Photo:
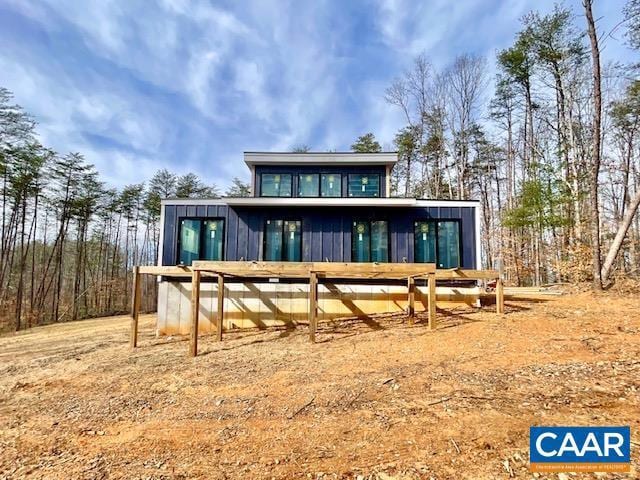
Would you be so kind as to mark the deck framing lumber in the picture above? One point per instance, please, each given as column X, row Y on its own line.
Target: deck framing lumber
column 136, row 299
column 313, row 306
column 195, row 312
column 220, row 318
column 411, row 300
column 314, row 272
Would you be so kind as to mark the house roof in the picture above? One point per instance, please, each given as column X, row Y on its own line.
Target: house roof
column 320, row 158
column 323, row 202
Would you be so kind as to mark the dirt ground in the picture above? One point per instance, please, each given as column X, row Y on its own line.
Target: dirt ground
column 380, row 399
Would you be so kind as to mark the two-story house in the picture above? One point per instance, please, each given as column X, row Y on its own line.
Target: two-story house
column 311, row 207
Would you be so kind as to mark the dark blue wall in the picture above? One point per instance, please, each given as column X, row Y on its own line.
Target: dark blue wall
column 326, row 231
column 294, row 170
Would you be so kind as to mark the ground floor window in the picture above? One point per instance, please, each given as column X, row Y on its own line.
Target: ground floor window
column 437, row 242
column 370, row 241
column 200, row 239
column 283, row 241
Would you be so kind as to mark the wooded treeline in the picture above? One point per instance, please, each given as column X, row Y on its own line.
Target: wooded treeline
column 551, row 147
column 67, row 242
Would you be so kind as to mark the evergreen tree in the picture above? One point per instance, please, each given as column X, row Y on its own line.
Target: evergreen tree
column 366, row 143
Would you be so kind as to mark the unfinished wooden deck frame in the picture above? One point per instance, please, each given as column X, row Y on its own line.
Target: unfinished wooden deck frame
column 311, row 271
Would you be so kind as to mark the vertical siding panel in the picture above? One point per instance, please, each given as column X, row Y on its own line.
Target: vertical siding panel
column 336, row 239
column 307, row 235
column 468, row 238
column 316, row 239
column 169, row 241
column 327, row 237
column 402, row 248
column 253, row 249
column 347, row 226
column 201, row 211
column 243, row 235
column 232, row 236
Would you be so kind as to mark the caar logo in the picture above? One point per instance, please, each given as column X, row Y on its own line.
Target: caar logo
column 580, row 449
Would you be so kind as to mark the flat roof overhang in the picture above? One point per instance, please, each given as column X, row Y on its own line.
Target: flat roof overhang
column 320, row 158
column 321, row 202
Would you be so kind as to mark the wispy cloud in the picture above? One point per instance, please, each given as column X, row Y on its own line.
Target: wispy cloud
column 189, row 85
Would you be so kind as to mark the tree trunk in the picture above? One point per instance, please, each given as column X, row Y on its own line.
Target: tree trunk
column 619, row 238
column 595, row 160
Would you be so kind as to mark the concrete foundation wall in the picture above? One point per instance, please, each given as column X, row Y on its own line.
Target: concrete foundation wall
column 261, row 305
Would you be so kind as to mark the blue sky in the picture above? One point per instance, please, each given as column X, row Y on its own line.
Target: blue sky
column 137, row 86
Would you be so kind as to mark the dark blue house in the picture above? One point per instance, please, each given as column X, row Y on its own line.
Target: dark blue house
column 332, row 207
column 311, row 207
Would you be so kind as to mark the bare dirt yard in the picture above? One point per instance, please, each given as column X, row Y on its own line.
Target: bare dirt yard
column 380, row 399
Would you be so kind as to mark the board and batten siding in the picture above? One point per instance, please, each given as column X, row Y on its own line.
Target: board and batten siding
column 326, row 232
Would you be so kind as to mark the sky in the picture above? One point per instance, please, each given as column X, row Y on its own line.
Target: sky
column 136, row 86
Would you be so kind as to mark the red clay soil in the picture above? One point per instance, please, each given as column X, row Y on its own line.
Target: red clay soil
column 380, row 399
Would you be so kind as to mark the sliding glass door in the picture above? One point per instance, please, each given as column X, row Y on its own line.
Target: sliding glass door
column 200, row 240
column 283, row 241
column 370, row 241
column 437, row 241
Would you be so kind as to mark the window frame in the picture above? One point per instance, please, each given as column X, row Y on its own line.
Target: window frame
column 317, row 195
column 435, row 222
column 370, row 221
column 201, row 239
column 340, row 191
column 352, row 174
column 264, row 237
column 262, row 174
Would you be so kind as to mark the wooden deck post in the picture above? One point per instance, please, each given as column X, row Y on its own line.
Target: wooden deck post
column 411, row 292
column 313, row 305
column 499, row 296
column 220, row 307
column 135, row 306
column 195, row 310
column 431, row 279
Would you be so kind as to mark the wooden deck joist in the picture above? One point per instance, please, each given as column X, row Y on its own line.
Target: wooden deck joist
column 312, row 271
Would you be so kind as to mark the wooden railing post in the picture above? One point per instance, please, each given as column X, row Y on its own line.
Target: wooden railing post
column 135, row 306
column 431, row 279
column 411, row 292
column 313, row 305
column 195, row 311
column 220, row 307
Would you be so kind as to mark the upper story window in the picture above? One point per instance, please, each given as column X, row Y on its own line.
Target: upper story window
column 331, row 185
column 275, row 185
column 308, row 185
column 364, row 185
column 200, row 240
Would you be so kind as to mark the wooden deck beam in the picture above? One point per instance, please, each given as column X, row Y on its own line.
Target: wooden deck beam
column 173, row 270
